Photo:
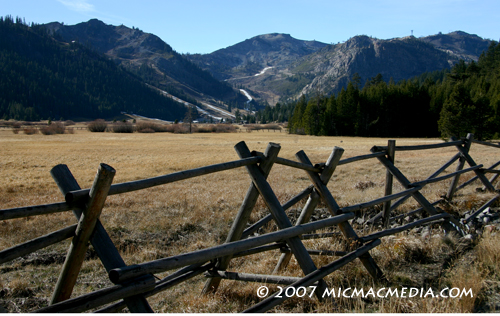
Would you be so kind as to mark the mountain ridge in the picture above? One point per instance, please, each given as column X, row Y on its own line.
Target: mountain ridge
column 329, row 67
column 149, row 57
column 42, row 77
column 270, row 67
column 293, row 66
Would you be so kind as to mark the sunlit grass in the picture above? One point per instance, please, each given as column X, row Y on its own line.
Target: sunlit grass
column 198, row 213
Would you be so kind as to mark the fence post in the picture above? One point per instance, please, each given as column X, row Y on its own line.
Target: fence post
column 391, row 151
column 304, row 217
column 472, row 163
column 86, row 225
column 461, row 163
column 103, row 245
column 242, row 217
column 450, row 224
column 299, row 250
column 313, row 200
column 346, row 228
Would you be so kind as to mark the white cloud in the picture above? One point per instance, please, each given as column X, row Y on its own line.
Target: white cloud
column 78, row 5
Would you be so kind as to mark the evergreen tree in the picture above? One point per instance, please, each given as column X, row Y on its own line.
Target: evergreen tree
column 312, row 120
column 296, row 125
column 237, row 115
column 460, row 115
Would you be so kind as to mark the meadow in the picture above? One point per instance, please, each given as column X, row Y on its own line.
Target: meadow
column 197, row 213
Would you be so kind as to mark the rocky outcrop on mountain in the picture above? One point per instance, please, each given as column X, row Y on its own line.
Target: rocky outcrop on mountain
column 148, row 56
column 400, row 58
column 294, row 67
column 251, row 56
column 460, row 44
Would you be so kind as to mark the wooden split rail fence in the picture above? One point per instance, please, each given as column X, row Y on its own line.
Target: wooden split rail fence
column 133, row 284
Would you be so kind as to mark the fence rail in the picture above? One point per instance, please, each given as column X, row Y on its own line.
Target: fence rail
column 133, row 284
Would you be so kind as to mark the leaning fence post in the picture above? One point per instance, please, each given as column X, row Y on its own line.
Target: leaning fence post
column 312, row 202
column 103, row 245
column 450, row 224
column 242, row 217
column 299, row 250
column 461, row 163
column 391, row 151
column 304, row 217
column 346, row 228
column 86, row 225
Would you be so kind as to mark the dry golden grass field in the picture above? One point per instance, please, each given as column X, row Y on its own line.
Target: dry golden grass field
column 197, row 213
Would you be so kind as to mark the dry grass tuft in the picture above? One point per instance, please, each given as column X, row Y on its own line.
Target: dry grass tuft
column 488, row 253
column 18, row 288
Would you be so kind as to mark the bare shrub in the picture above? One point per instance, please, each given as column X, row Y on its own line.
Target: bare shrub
column 69, row 123
column 150, row 127
column 258, row 127
column 70, row 130
column 170, row 128
column 30, row 130
column 225, row 128
column 122, row 127
column 250, row 127
column 214, row 128
column 271, row 126
column 97, row 126
column 58, row 127
column 206, row 129
column 47, row 130
column 180, row 128
column 54, row 128
column 16, row 127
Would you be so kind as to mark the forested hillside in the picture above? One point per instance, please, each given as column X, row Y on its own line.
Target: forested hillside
column 464, row 99
column 43, row 78
column 149, row 57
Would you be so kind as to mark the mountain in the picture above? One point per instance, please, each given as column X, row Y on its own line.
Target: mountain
column 400, row 58
column 258, row 62
column 460, row 44
column 150, row 58
column 270, row 67
column 41, row 77
column 251, row 56
column 277, row 66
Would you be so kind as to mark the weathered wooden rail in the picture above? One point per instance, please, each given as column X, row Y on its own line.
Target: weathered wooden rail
column 133, row 284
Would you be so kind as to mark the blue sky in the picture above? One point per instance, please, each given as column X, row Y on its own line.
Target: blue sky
column 203, row 26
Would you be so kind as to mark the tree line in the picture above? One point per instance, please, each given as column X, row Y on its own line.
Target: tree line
column 451, row 102
column 41, row 78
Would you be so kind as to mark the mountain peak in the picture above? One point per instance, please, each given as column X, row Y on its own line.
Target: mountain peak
column 464, row 45
column 95, row 22
column 275, row 36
